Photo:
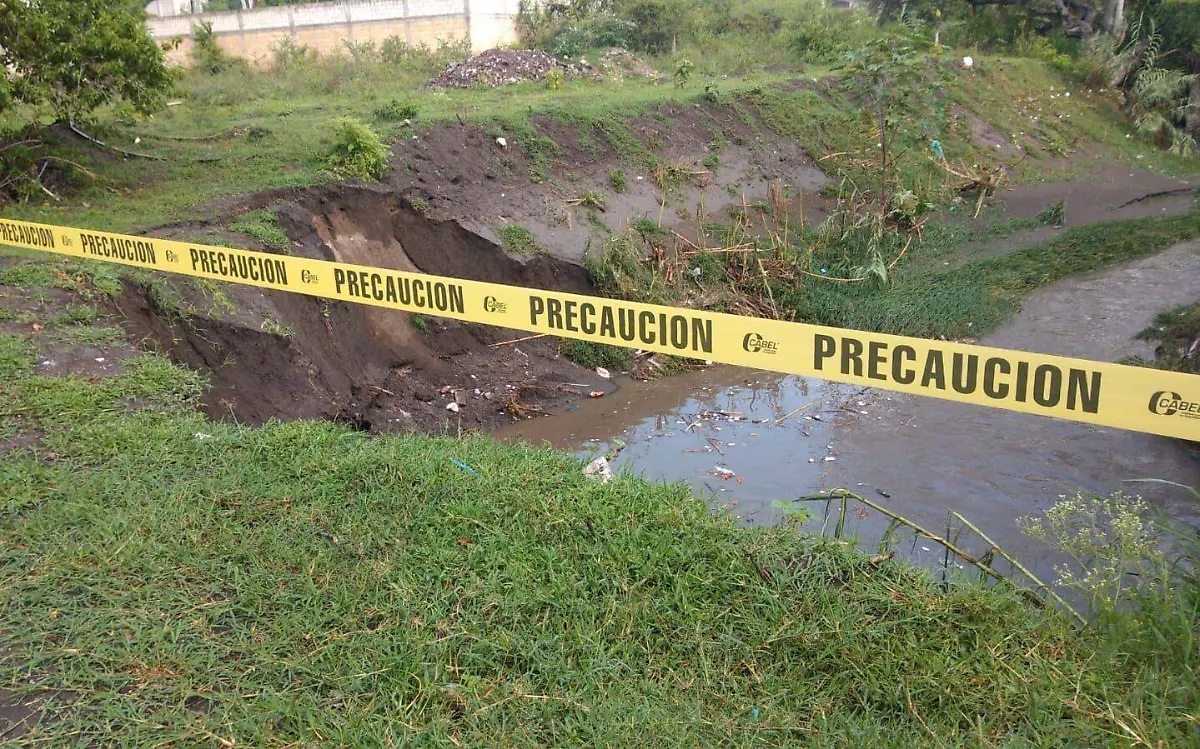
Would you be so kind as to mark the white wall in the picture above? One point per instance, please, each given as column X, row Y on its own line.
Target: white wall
column 323, row 26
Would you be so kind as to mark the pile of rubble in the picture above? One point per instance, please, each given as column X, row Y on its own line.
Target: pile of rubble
column 498, row 67
column 621, row 63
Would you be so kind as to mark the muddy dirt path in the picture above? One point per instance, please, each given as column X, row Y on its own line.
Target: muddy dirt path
column 926, row 456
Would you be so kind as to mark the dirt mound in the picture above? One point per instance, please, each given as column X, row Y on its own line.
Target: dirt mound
column 499, row 67
column 287, row 356
column 621, row 63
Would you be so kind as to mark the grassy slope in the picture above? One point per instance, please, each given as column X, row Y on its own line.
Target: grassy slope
column 277, row 127
column 180, row 580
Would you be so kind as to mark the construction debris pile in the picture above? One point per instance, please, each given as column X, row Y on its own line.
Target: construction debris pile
column 499, row 67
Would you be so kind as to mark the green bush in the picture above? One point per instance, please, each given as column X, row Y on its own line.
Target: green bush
column 395, row 110
column 358, row 151
column 207, row 55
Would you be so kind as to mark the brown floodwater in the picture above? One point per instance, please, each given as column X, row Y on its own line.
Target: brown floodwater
column 786, row 437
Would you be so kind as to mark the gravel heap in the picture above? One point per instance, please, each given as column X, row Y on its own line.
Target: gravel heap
column 498, row 67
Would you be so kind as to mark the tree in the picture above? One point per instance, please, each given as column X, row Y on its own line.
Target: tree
column 1081, row 18
column 76, row 55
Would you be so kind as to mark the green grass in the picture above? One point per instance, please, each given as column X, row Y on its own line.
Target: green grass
column 933, row 292
column 302, row 582
column 262, row 225
column 518, row 240
column 592, row 355
column 974, row 298
column 1175, row 333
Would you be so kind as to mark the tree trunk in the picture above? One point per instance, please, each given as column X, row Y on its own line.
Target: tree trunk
column 1193, row 114
column 1114, row 17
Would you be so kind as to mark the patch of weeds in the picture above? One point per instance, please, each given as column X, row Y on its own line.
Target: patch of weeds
column 357, row 151
column 271, row 326
column 618, row 181
column 590, row 199
column 571, row 177
column 420, row 204
column 16, row 356
column 33, row 275
column 594, row 219
column 76, row 314
column 263, row 225
column 90, row 335
column 215, row 291
column 1054, row 214
column 420, row 324
column 670, row 177
column 1177, row 335
column 591, row 355
column 647, row 228
column 396, row 111
column 518, row 240
column 714, row 152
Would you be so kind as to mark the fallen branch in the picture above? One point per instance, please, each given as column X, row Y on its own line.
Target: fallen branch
column 122, row 151
column 1013, row 561
column 846, row 494
column 793, row 412
column 518, row 340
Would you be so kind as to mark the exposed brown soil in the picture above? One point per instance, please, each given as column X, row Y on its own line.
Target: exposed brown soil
column 279, row 355
column 465, row 174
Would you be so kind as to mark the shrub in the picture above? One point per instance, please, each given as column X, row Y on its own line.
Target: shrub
column 395, row 110
column 358, row 151
column 288, row 54
column 206, row 54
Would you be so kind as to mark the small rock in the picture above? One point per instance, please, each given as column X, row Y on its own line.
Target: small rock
column 452, row 407
column 460, row 397
column 446, row 390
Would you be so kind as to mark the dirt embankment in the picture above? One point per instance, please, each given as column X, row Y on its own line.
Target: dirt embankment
column 440, row 211
column 716, row 159
column 275, row 355
column 279, row 355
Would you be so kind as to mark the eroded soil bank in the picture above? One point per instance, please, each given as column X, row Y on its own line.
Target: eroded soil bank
column 279, row 355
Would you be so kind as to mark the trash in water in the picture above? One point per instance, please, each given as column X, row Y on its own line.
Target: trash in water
column 603, row 373
column 596, row 394
column 572, row 408
column 723, row 473
column 599, row 469
column 924, row 548
column 883, row 494
column 829, row 458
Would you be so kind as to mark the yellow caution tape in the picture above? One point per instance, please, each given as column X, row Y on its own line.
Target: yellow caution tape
column 1113, row 395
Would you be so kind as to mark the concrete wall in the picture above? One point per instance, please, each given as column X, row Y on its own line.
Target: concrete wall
column 325, row 26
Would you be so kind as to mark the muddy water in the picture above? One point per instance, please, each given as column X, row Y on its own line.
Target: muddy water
column 920, row 457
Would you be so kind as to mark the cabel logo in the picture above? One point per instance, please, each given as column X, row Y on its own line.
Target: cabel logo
column 1166, row 403
column 492, row 304
column 756, row 344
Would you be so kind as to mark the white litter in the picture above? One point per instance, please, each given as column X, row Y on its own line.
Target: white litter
column 502, row 142
column 968, row 61
column 599, row 469
column 603, row 373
